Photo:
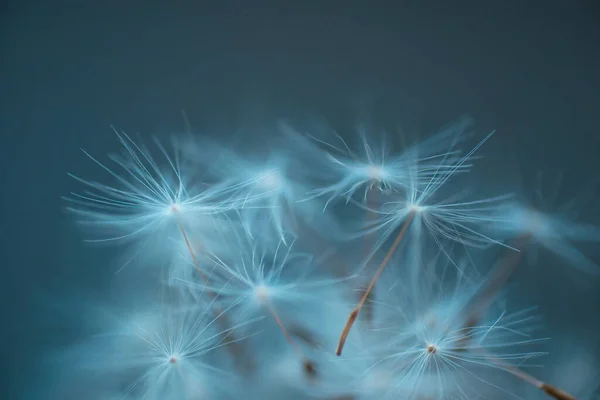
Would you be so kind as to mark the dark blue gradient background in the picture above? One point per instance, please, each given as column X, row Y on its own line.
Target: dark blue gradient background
column 69, row 70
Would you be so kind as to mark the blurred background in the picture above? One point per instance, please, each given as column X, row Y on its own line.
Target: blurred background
column 71, row 69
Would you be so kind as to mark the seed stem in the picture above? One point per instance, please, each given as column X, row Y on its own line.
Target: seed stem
column 222, row 320
column 550, row 390
column 354, row 314
column 308, row 365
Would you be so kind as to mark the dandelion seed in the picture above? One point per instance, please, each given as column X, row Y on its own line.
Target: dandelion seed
column 264, row 277
column 370, row 167
column 433, row 217
column 147, row 204
column 167, row 352
column 550, row 225
column 428, row 349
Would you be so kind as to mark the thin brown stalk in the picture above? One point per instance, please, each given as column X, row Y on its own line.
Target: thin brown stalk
column 369, row 312
column 222, row 320
column 556, row 392
column 550, row 390
column 354, row 314
column 308, row 365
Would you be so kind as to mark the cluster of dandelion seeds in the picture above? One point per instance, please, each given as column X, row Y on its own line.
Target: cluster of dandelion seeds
column 317, row 265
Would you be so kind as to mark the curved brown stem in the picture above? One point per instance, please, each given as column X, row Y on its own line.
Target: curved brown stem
column 556, row 392
column 372, row 199
column 354, row 314
column 191, row 251
column 550, row 390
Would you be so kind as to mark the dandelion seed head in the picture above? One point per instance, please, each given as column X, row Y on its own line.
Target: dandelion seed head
column 536, row 223
column 432, row 348
column 262, row 293
column 271, row 180
column 376, row 172
column 416, row 208
column 174, row 208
